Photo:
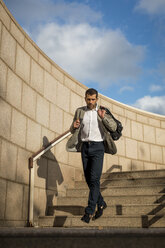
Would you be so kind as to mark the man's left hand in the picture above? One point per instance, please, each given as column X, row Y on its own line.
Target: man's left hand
column 101, row 113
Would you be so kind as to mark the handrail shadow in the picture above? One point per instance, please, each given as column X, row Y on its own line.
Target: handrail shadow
column 49, row 169
column 146, row 222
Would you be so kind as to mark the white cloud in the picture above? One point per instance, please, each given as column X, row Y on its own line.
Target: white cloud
column 30, row 12
column 126, row 88
column 91, row 54
column 155, row 88
column 151, row 6
column 152, row 104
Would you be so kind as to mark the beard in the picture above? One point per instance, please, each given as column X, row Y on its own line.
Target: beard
column 91, row 106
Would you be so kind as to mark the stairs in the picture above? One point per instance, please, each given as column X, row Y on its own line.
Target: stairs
column 134, row 200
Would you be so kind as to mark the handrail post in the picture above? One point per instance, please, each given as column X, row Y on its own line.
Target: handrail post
column 31, row 193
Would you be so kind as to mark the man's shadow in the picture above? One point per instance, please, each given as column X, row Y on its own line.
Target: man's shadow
column 49, row 169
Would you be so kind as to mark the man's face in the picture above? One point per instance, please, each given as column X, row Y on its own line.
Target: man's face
column 91, row 101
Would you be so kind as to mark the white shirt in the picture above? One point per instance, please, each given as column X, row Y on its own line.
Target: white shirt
column 90, row 128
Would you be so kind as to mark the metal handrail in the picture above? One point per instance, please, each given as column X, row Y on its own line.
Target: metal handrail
column 33, row 158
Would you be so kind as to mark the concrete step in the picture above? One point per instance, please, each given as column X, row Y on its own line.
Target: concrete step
column 82, row 237
column 111, row 210
column 115, row 190
column 133, row 174
column 123, row 182
column 104, row 222
column 114, row 200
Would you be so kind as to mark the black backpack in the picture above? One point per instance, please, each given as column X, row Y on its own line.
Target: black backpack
column 118, row 133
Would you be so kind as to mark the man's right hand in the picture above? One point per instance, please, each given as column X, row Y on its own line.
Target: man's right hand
column 76, row 124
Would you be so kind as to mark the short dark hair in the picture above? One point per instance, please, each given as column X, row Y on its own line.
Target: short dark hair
column 91, row 92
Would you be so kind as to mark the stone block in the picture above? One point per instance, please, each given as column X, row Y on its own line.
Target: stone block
column 60, row 152
column 120, row 144
column 22, row 175
column 14, row 90
column 118, row 110
column 160, row 136
column 18, row 128
column 68, row 82
column 56, row 119
column 68, row 177
column 76, row 102
column 126, row 132
column 23, row 64
column 59, row 75
column 16, row 32
column 137, row 131
column 149, row 166
column 160, row 167
column 14, row 201
column 42, row 201
column 0, row 29
column 0, row 148
column 37, row 77
column 130, row 114
column 104, row 165
column 144, row 151
column 29, row 47
column 78, row 174
column 162, row 124
column 83, row 102
column 39, row 202
column 47, row 136
column 81, row 89
column 2, row 198
column 106, row 104
column 41, row 172
column 63, row 97
column 8, row 160
column 29, row 101
column 137, row 165
column 33, row 136
column 154, row 122
column 50, row 88
column 112, row 163
column 3, row 79
column 75, row 159
column 164, row 155
column 8, row 48
column 149, row 134
column 43, row 61
column 42, row 112
column 156, row 154
column 25, row 202
column 4, row 17
column 36, row 203
column 5, row 119
column 125, row 164
column 131, row 148
column 142, row 118
column 68, row 119
column 55, row 176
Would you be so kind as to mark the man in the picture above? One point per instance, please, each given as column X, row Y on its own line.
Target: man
column 91, row 137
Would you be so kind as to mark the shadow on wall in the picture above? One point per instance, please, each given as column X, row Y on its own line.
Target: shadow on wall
column 49, row 169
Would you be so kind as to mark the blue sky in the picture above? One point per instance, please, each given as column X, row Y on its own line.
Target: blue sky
column 117, row 47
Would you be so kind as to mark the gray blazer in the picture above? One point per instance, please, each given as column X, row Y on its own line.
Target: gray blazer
column 107, row 123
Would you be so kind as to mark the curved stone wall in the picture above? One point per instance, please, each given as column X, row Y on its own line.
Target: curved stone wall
column 37, row 103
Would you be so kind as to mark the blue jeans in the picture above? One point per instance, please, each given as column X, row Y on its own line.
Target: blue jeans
column 92, row 154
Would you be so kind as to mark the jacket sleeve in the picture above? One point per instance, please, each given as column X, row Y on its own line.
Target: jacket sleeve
column 109, row 123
